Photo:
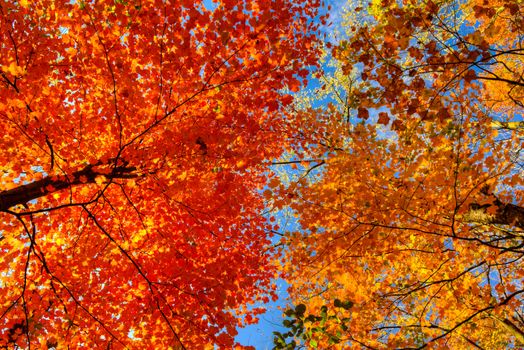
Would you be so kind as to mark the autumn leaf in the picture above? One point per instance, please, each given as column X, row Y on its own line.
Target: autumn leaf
column 383, row 118
column 363, row 113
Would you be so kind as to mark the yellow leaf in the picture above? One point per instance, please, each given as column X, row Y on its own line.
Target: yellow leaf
column 84, row 191
column 100, row 180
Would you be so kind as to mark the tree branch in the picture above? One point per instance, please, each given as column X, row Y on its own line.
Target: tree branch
column 51, row 184
column 497, row 212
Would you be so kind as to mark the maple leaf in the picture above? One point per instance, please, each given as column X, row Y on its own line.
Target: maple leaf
column 363, row 113
column 383, row 118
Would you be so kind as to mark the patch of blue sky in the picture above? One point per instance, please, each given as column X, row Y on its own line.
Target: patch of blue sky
column 260, row 335
column 211, row 5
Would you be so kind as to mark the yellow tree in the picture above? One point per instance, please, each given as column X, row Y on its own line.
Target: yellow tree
column 417, row 212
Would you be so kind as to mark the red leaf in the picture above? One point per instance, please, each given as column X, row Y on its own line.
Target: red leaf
column 363, row 113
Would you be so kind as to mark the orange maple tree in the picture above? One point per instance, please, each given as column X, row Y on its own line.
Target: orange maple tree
column 134, row 138
column 411, row 204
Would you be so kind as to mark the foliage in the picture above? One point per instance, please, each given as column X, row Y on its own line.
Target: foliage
column 310, row 328
column 135, row 135
column 416, row 209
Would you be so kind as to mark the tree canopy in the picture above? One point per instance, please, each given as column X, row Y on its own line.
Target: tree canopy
column 134, row 140
column 417, row 213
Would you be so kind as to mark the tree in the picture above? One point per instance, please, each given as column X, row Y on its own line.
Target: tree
column 415, row 210
column 134, row 140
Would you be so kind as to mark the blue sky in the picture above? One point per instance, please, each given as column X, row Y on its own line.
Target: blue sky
column 261, row 335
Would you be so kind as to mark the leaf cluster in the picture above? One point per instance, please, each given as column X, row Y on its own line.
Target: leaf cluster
column 312, row 329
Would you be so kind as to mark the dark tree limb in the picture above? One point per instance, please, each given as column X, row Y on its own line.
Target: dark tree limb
column 497, row 213
column 51, row 184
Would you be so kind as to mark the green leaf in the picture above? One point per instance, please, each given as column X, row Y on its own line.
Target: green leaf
column 300, row 309
column 343, row 304
column 311, row 318
column 334, row 340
